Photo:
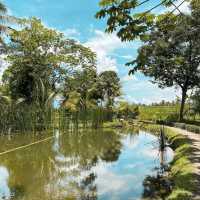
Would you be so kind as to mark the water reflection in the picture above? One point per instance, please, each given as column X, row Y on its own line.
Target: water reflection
column 86, row 165
column 4, row 189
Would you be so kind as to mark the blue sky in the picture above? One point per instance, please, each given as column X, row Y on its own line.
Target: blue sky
column 76, row 19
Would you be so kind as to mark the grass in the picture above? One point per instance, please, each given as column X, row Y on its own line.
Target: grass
column 181, row 170
column 30, row 118
column 154, row 113
column 113, row 124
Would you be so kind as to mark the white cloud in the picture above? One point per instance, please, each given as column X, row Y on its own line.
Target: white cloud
column 115, row 183
column 104, row 45
column 128, row 78
column 4, row 189
column 130, row 98
column 143, row 91
column 71, row 32
column 184, row 7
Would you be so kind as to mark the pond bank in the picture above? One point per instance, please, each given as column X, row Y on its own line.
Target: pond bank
column 194, row 156
column 185, row 168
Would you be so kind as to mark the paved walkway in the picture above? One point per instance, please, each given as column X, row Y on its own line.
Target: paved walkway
column 195, row 156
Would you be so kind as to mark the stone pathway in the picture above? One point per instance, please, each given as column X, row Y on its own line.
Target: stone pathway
column 195, row 156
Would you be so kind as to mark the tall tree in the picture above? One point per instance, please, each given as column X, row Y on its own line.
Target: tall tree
column 4, row 20
column 171, row 54
column 79, row 88
column 196, row 102
column 40, row 59
column 109, row 84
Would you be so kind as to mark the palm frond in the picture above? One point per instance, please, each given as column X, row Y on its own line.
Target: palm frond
column 50, row 99
column 3, row 8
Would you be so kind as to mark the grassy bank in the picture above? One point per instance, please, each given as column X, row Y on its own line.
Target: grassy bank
column 181, row 171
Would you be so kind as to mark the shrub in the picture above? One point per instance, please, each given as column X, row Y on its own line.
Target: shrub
column 188, row 127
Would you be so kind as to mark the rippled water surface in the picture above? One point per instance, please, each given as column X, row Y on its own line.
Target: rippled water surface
column 103, row 165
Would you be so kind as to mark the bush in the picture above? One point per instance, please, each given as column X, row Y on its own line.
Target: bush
column 188, row 127
column 193, row 128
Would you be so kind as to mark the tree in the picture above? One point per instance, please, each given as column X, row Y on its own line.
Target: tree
column 4, row 19
column 81, row 87
column 171, row 55
column 124, row 109
column 40, row 60
column 196, row 102
column 109, row 84
column 122, row 18
column 91, row 88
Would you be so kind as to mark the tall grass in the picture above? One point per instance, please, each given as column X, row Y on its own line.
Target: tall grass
column 23, row 118
column 31, row 118
column 90, row 118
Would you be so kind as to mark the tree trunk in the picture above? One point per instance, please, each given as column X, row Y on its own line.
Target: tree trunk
column 183, row 99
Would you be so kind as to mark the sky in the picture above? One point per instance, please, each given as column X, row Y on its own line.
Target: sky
column 75, row 18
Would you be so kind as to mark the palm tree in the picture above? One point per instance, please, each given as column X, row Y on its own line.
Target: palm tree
column 4, row 20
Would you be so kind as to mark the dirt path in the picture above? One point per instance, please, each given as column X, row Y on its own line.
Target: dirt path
column 195, row 156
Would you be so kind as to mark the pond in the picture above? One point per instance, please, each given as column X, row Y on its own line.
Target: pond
column 85, row 165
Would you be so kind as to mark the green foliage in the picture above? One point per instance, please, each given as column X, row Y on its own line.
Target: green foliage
column 43, row 65
column 85, row 89
column 188, row 127
column 126, row 110
column 109, row 85
column 196, row 102
column 121, row 17
column 79, row 89
column 5, row 19
column 170, row 56
column 170, row 53
column 40, row 59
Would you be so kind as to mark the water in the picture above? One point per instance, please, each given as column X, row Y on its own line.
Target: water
column 86, row 165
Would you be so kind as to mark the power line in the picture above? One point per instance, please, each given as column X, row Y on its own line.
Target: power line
column 156, row 6
column 176, row 8
column 142, row 3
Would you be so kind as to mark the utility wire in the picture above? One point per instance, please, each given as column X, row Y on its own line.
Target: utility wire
column 176, row 8
column 142, row 3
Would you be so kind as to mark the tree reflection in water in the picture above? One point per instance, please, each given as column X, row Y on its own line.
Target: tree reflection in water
column 81, row 165
column 158, row 186
column 62, row 168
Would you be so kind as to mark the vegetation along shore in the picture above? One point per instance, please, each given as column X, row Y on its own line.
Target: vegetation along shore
column 100, row 100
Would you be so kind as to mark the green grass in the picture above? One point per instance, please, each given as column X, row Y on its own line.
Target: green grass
column 155, row 113
column 181, row 170
column 113, row 124
column 167, row 113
